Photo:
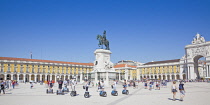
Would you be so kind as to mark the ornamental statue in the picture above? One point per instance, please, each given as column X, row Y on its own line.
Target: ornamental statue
column 103, row 41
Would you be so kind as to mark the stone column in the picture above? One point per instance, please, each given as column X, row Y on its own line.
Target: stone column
column 170, row 77
column 87, row 74
column 80, row 77
column 138, row 74
column 131, row 75
column 119, row 76
column 41, row 77
column 5, row 76
column 35, row 77
column 69, row 77
column 24, row 77
column 126, row 74
column 76, row 77
column 12, row 77
column 207, row 71
column 18, row 77
column 45, row 77
column 50, row 77
column 175, row 77
column 107, row 79
column 96, row 77
column 29, row 77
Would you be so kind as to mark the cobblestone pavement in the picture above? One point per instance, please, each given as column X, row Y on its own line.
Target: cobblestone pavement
column 196, row 94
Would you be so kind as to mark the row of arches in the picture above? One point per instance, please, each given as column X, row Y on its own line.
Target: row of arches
column 164, row 77
column 36, row 78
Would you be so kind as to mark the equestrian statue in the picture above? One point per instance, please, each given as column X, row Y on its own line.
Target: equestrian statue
column 103, row 41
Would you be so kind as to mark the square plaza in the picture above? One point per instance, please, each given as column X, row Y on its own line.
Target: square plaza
column 196, row 94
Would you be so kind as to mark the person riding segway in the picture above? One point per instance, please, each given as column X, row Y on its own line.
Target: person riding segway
column 65, row 89
column 50, row 90
column 86, row 95
column 114, row 92
column 102, row 92
column 59, row 91
column 73, row 84
column 125, row 91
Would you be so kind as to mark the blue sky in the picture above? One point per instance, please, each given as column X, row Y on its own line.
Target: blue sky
column 66, row 30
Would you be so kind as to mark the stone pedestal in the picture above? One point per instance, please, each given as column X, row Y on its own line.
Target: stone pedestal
column 103, row 67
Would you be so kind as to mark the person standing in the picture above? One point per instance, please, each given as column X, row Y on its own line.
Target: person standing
column 174, row 90
column 99, row 85
column 2, row 87
column 31, row 84
column 60, row 83
column 182, row 91
column 13, row 84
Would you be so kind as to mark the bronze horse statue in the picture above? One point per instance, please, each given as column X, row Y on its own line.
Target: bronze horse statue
column 103, row 41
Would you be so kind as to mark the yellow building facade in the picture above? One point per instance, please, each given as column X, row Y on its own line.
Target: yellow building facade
column 161, row 70
column 21, row 69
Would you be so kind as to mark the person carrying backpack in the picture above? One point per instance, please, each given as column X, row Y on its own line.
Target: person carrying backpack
column 182, row 91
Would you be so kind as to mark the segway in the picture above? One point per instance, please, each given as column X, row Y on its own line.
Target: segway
column 65, row 89
column 73, row 93
column 103, row 93
column 114, row 93
column 125, row 92
column 60, row 92
column 49, row 91
column 86, row 95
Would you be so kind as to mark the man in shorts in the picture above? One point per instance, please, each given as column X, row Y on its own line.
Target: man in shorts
column 182, row 91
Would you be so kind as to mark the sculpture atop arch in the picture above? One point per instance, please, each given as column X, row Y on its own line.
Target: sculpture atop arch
column 198, row 39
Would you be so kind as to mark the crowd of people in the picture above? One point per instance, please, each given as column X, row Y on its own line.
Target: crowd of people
column 7, row 84
column 147, row 84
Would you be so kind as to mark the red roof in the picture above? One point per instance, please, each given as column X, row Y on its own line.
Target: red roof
column 123, row 65
column 159, row 62
column 47, row 61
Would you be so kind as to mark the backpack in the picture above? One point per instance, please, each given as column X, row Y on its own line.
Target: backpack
column 181, row 87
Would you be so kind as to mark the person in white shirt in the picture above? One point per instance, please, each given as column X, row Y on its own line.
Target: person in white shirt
column 114, row 85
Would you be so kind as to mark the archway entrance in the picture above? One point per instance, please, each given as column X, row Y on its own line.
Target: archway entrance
column 27, row 78
column 15, row 76
column 164, row 77
column 2, row 77
column 21, row 77
column 38, row 78
column 8, row 77
column 195, row 66
column 53, row 77
column 32, row 78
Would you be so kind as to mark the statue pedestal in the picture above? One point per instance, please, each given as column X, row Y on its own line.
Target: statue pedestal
column 107, row 77
column 103, row 67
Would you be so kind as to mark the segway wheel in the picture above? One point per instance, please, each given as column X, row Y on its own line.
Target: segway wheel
column 116, row 94
column 47, row 91
column 105, row 95
column 71, row 94
column 86, row 95
column 127, row 92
